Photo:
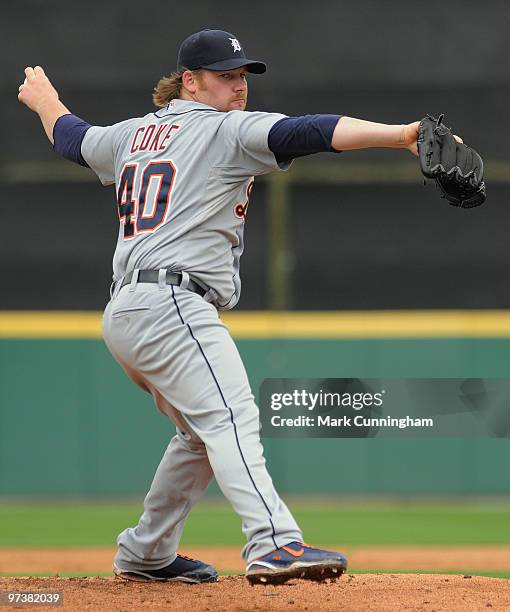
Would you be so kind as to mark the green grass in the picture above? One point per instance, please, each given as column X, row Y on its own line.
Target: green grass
column 213, row 524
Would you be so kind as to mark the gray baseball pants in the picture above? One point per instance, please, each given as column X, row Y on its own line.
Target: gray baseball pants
column 172, row 343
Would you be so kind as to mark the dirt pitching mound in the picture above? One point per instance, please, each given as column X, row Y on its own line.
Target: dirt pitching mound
column 377, row 592
column 227, row 559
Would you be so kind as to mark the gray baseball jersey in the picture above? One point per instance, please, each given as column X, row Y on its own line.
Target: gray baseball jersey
column 183, row 176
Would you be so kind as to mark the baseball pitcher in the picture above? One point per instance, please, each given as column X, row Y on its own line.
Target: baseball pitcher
column 183, row 177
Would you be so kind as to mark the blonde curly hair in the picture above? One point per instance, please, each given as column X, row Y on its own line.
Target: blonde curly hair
column 169, row 87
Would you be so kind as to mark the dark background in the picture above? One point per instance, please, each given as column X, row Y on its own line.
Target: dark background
column 351, row 246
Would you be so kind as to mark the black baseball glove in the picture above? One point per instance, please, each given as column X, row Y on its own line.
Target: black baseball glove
column 456, row 168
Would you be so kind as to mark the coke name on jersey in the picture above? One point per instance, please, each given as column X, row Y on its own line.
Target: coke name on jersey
column 152, row 137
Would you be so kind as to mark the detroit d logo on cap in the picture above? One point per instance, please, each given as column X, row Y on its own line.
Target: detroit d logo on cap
column 235, row 44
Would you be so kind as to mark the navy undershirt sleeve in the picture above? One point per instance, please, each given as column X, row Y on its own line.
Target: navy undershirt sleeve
column 297, row 136
column 68, row 133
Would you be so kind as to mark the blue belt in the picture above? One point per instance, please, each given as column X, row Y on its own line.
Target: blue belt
column 172, row 278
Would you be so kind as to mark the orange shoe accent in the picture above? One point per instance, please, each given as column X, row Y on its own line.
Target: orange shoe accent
column 294, row 553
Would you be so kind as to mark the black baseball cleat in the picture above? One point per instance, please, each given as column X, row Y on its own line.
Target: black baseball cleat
column 296, row 560
column 183, row 569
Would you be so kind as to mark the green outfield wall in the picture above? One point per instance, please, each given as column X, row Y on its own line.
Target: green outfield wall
column 71, row 423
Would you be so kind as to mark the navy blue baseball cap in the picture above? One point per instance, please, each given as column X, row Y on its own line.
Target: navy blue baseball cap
column 215, row 50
